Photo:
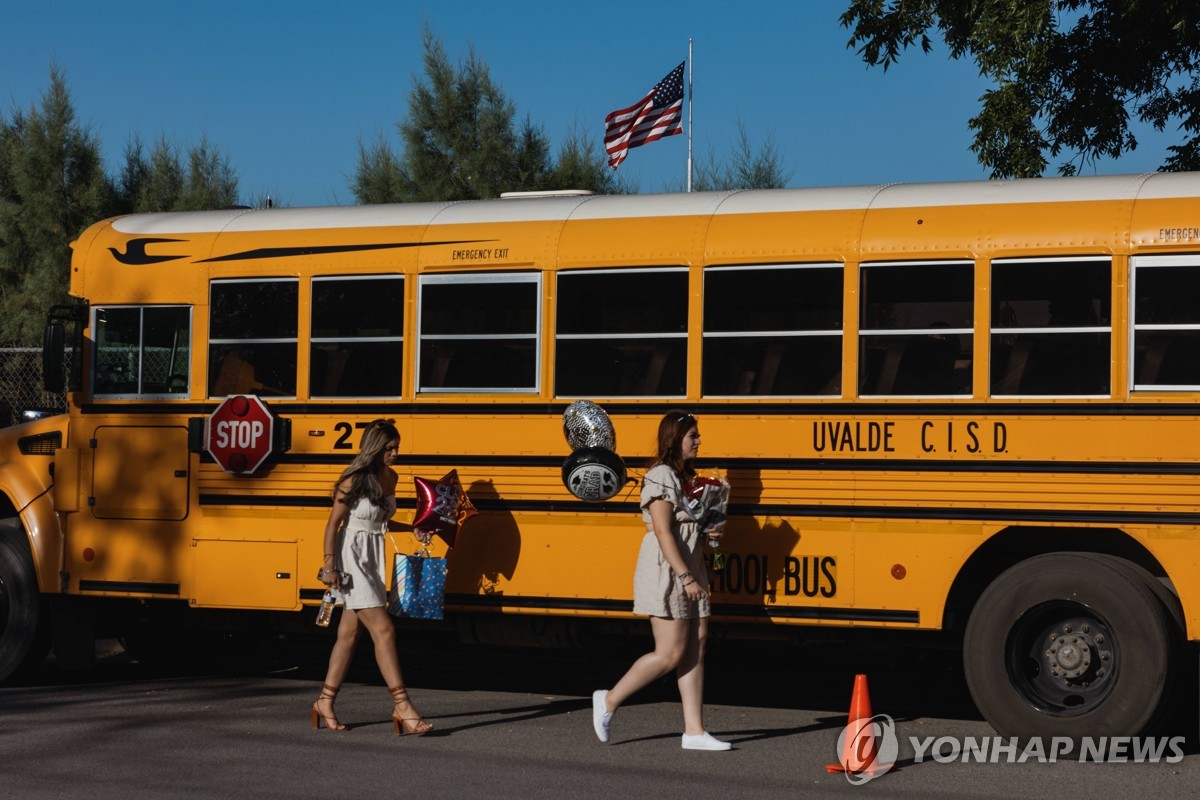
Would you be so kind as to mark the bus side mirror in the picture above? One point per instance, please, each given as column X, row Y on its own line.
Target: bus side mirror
column 53, row 348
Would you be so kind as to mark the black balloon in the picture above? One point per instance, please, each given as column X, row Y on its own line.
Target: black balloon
column 593, row 473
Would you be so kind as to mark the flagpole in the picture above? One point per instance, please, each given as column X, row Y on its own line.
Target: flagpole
column 689, row 163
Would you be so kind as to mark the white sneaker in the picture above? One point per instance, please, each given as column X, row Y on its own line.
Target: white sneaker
column 704, row 741
column 601, row 718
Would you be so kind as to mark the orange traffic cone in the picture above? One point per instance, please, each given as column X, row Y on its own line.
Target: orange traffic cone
column 859, row 749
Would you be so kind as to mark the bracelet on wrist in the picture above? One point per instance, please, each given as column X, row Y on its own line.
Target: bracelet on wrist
column 683, row 575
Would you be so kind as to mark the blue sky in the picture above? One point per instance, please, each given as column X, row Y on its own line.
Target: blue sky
column 287, row 89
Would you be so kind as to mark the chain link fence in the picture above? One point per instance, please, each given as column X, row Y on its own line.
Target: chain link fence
column 21, row 383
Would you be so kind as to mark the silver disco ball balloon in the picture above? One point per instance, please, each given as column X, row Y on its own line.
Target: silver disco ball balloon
column 586, row 425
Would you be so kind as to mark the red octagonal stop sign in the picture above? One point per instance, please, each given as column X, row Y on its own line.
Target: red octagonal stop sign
column 239, row 433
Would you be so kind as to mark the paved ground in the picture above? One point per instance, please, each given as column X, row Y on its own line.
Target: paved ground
column 509, row 724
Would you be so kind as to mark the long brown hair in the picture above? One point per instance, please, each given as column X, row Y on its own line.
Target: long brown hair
column 671, row 430
column 363, row 471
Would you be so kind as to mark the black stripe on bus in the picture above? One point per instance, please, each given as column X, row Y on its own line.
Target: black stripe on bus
column 517, row 601
column 790, row 464
column 368, row 410
column 816, row 613
column 742, row 610
column 344, row 458
column 309, row 501
column 718, row 609
column 138, row 587
column 320, row 250
column 765, row 510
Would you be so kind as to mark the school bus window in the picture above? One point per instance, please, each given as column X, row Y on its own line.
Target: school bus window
column 357, row 343
column 772, row 330
column 252, row 337
column 916, row 328
column 478, row 333
column 142, row 351
column 1166, row 322
column 1051, row 327
column 621, row 333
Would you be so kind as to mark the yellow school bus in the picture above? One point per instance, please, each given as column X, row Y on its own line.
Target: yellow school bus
column 960, row 407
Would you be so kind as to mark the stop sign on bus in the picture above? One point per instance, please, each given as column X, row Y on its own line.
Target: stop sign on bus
column 239, row 434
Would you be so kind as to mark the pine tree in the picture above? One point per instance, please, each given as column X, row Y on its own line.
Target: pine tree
column 761, row 170
column 582, row 165
column 162, row 182
column 745, row 169
column 52, row 186
column 378, row 178
column 461, row 141
column 210, row 183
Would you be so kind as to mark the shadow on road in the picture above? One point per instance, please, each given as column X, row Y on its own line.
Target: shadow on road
column 909, row 676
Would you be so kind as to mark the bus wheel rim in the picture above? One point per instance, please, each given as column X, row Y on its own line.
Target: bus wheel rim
column 1063, row 658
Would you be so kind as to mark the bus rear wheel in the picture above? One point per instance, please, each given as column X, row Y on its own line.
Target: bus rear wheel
column 1070, row 644
column 24, row 639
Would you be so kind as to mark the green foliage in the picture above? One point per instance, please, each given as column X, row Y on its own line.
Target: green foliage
column 378, row 178
column 1068, row 74
column 744, row 169
column 582, row 165
column 211, row 182
column 461, row 141
column 52, row 186
column 162, row 182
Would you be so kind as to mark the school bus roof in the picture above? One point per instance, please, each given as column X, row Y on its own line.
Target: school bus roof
column 531, row 209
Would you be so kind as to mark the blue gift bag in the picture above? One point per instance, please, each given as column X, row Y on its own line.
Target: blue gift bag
column 418, row 587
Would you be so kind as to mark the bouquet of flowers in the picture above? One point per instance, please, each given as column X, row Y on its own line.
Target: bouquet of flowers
column 705, row 498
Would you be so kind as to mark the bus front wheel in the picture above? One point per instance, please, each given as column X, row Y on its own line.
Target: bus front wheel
column 23, row 621
column 1069, row 644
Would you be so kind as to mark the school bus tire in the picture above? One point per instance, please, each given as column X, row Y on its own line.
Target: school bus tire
column 24, row 621
column 1178, row 663
column 1070, row 644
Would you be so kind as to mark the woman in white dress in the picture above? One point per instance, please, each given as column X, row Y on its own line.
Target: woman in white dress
column 670, row 585
column 364, row 499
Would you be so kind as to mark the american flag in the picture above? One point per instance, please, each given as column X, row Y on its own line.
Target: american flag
column 658, row 114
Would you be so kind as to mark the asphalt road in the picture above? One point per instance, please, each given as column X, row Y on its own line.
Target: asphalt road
column 511, row 723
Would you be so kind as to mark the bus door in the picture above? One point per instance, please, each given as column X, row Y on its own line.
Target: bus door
column 139, row 472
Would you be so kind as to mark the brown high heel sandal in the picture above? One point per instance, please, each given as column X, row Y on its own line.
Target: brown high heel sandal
column 410, row 725
column 331, row 722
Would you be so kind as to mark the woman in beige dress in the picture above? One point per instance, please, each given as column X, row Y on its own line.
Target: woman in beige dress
column 364, row 499
column 670, row 585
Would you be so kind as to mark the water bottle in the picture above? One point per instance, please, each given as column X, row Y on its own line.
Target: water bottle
column 325, row 612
